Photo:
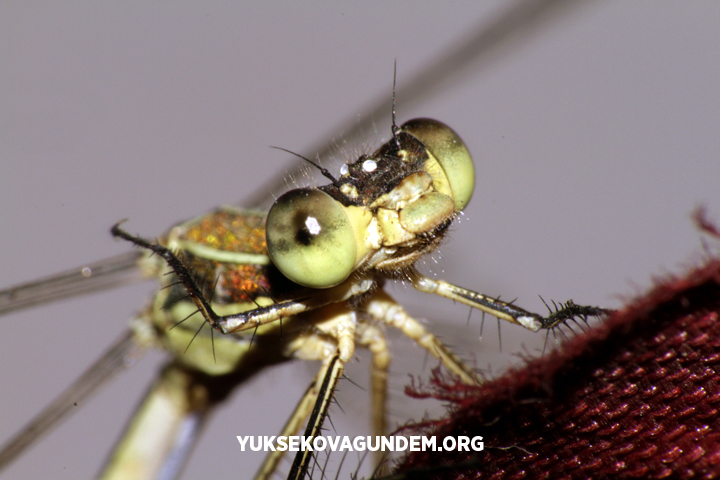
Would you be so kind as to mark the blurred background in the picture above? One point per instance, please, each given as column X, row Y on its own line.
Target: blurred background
column 594, row 129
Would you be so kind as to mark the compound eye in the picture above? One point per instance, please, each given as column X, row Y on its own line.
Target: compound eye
column 451, row 153
column 310, row 238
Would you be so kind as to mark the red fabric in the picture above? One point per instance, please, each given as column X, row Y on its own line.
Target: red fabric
column 636, row 397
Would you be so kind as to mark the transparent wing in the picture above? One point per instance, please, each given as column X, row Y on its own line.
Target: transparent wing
column 461, row 61
column 93, row 277
column 122, row 354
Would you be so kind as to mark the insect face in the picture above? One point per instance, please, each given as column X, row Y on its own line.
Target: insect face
column 385, row 211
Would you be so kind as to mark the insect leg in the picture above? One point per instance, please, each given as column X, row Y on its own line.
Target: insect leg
column 310, row 347
column 340, row 325
column 373, row 338
column 292, row 427
column 384, row 309
column 248, row 319
column 329, row 375
column 332, row 342
column 503, row 310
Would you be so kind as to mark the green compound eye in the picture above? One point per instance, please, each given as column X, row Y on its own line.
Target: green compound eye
column 310, row 238
column 451, row 154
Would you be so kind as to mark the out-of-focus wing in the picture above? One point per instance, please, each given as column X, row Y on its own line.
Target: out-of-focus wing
column 93, row 277
column 472, row 52
column 121, row 354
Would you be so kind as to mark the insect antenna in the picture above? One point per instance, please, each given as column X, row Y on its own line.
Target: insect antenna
column 326, row 173
column 706, row 249
column 395, row 128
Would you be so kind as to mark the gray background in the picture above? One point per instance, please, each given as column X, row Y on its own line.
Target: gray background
column 594, row 138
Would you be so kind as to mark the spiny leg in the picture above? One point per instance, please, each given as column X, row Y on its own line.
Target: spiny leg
column 248, row 319
column 185, row 277
column 383, row 308
column 330, row 374
column 504, row 310
column 332, row 342
column 293, row 425
column 342, row 327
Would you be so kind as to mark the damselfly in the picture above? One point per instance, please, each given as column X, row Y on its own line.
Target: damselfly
column 513, row 181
